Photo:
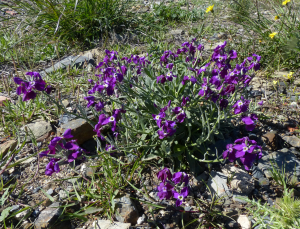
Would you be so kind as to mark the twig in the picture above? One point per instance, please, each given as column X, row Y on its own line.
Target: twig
column 5, row 166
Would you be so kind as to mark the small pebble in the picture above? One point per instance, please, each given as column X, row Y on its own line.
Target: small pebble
column 50, row 191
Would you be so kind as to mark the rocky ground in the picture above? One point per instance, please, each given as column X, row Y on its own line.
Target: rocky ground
column 219, row 188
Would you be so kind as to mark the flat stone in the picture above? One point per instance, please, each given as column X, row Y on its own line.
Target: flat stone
column 81, row 130
column 7, row 146
column 280, row 75
column 240, row 181
column 106, row 224
column 244, row 222
column 292, row 140
column 283, row 158
column 271, row 139
column 176, row 32
column 264, row 181
column 49, row 216
column 126, row 210
column 256, row 172
column 40, row 130
column 73, row 61
column 217, row 184
column 3, row 99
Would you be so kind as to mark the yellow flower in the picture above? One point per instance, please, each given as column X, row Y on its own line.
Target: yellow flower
column 210, row 8
column 272, row 35
column 276, row 17
column 285, row 2
column 290, row 75
column 275, row 82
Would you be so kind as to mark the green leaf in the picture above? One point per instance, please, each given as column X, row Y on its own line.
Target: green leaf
column 5, row 213
column 91, row 210
column 178, row 150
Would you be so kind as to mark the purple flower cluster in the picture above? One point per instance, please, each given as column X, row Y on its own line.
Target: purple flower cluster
column 58, row 144
column 176, row 185
column 245, row 149
column 108, row 120
column 168, row 127
column 112, row 72
column 27, row 88
column 223, row 81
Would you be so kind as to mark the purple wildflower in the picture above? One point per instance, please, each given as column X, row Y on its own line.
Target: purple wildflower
column 165, row 191
column 164, row 174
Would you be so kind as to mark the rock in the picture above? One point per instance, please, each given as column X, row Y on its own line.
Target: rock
column 49, row 216
column 65, row 118
column 141, row 219
column 106, row 224
column 264, row 181
column 7, row 146
column 292, row 140
column 202, row 177
column 256, row 172
column 283, row 158
column 81, row 130
column 63, row 194
column 244, row 222
column 73, row 61
column 41, row 130
column 50, row 191
column 217, row 184
column 240, row 199
column 14, row 208
column 126, row 210
column 176, row 32
column 91, row 53
column 280, row 75
column 66, row 102
column 209, row 47
column 23, row 214
column 271, row 139
column 3, row 99
column 240, row 181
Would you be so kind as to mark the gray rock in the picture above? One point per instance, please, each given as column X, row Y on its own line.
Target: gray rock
column 244, row 222
column 50, row 191
column 292, row 140
column 264, row 181
column 141, row 219
column 217, row 184
column 107, row 224
column 283, row 158
column 81, row 130
column 7, row 146
column 14, row 208
column 176, row 32
column 40, row 130
column 63, row 194
column 49, row 216
column 256, row 172
column 126, row 211
column 239, row 199
column 23, row 214
column 240, row 181
column 73, row 61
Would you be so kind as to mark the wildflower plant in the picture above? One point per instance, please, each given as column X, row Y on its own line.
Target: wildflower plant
column 175, row 185
column 170, row 105
column 62, row 151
